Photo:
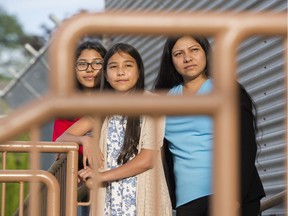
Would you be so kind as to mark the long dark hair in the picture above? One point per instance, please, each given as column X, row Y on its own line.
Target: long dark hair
column 133, row 127
column 90, row 44
column 168, row 76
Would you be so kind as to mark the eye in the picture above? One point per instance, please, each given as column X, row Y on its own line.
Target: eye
column 112, row 67
column 194, row 49
column 97, row 63
column 177, row 54
column 81, row 63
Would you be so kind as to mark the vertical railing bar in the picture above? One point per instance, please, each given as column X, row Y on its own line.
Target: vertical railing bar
column 3, row 195
column 96, row 154
column 225, row 162
column 71, row 183
column 34, row 165
column 64, row 180
column 21, row 198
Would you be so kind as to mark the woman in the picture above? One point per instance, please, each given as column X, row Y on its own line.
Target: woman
column 185, row 69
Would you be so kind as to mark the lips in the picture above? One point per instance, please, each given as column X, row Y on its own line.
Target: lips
column 190, row 66
column 89, row 77
column 121, row 80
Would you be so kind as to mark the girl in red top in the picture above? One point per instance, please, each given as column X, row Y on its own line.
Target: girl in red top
column 88, row 68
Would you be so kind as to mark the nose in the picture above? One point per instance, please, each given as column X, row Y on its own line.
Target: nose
column 187, row 58
column 120, row 71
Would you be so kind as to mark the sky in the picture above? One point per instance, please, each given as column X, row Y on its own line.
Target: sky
column 33, row 13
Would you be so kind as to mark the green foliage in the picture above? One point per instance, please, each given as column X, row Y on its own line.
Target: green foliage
column 15, row 161
column 4, row 78
column 11, row 31
column 12, row 41
column 12, row 34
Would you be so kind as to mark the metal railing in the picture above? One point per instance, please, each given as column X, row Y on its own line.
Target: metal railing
column 273, row 201
column 49, row 205
column 58, row 169
column 228, row 31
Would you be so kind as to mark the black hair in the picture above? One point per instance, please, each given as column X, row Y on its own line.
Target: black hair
column 130, row 50
column 133, row 127
column 168, row 76
column 90, row 44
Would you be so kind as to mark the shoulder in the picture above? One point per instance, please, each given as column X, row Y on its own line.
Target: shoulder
column 176, row 89
column 146, row 92
column 68, row 122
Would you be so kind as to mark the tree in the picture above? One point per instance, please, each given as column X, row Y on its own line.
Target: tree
column 10, row 30
column 12, row 41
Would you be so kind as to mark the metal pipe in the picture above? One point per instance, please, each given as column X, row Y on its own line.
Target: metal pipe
column 41, row 176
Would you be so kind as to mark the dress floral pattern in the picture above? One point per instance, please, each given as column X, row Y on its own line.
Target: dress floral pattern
column 120, row 194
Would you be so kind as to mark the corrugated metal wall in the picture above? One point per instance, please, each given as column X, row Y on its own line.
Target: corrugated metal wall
column 260, row 70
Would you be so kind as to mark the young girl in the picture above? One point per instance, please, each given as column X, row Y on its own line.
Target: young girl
column 88, row 68
column 132, row 157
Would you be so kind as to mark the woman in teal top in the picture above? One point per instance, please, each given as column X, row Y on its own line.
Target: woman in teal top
column 190, row 142
column 185, row 69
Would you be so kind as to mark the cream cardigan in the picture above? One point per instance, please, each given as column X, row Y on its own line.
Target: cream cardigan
column 152, row 192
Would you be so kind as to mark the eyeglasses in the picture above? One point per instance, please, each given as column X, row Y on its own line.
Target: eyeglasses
column 82, row 66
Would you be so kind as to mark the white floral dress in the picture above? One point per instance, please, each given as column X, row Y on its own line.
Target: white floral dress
column 120, row 194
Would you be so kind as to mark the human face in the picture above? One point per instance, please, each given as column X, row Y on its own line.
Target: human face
column 189, row 59
column 90, row 77
column 122, row 72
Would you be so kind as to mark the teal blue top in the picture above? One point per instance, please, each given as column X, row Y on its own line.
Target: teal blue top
column 190, row 140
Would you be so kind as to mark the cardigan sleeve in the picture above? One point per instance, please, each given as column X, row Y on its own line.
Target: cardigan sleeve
column 149, row 128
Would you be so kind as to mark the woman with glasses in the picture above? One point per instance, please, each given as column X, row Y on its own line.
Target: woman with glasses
column 88, row 68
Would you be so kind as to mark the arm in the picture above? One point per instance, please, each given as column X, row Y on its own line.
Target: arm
column 142, row 162
column 60, row 125
column 145, row 160
column 76, row 133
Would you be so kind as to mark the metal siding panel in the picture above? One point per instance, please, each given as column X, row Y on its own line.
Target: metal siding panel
column 260, row 70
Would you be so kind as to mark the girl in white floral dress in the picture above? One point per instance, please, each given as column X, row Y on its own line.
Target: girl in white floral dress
column 132, row 157
column 120, row 194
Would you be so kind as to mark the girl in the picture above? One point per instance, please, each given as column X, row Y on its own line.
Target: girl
column 88, row 68
column 185, row 68
column 132, row 158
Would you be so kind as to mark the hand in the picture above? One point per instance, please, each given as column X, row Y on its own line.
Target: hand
column 85, row 174
column 87, row 143
column 100, row 158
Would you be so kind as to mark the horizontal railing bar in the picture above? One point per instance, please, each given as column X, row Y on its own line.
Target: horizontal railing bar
column 105, row 103
column 51, row 106
column 33, row 176
column 160, row 23
column 27, row 146
column 273, row 201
